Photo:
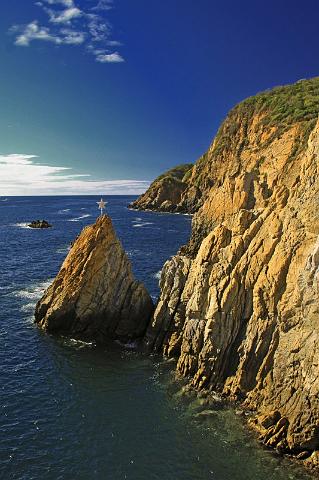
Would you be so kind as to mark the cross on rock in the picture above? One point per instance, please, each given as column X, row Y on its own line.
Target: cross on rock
column 101, row 205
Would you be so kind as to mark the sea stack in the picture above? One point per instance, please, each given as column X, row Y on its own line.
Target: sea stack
column 95, row 295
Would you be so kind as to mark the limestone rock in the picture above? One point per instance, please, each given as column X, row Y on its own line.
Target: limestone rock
column 239, row 304
column 95, row 294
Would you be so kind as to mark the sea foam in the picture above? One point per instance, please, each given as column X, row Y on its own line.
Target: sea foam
column 78, row 219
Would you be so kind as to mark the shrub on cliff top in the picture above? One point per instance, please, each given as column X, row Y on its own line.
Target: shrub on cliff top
column 280, row 107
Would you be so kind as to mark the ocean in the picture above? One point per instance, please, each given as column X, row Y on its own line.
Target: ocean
column 76, row 411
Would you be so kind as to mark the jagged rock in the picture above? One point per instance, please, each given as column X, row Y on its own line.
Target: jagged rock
column 239, row 305
column 95, row 294
column 39, row 224
column 313, row 460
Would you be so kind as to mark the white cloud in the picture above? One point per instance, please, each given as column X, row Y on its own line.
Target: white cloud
column 109, row 58
column 33, row 31
column 99, row 29
column 68, row 24
column 23, row 175
column 103, row 5
column 66, row 3
column 65, row 16
column 71, row 37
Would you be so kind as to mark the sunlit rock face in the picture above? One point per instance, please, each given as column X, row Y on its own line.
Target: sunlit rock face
column 166, row 191
column 95, row 294
column 239, row 304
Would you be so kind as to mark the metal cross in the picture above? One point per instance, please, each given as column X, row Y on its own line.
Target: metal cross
column 101, row 205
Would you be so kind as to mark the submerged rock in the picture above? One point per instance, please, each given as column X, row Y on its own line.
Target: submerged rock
column 95, row 294
column 39, row 224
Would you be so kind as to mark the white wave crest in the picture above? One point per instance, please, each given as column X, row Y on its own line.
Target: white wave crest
column 22, row 225
column 65, row 210
column 157, row 274
column 143, row 224
column 33, row 291
column 32, row 294
column 63, row 250
column 78, row 219
column 72, row 342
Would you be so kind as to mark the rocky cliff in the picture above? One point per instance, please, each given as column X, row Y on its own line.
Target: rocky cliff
column 239, row 304
column 95, row 295
column 165, row 193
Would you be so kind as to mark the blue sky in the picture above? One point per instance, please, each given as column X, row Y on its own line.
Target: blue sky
column 102, row 96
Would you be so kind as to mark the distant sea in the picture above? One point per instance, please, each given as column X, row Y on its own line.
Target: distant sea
column 75, row 411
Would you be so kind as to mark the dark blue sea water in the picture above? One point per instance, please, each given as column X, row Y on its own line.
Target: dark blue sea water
column 75, row 411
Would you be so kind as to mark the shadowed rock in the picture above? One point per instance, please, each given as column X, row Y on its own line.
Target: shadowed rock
column 95, row 294
column 39, row 224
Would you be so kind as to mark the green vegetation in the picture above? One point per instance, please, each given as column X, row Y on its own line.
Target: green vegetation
column 177, row 173
column 285, row 105
column 280, row 107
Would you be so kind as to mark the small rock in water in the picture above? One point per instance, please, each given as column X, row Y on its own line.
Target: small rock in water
column 39, row 224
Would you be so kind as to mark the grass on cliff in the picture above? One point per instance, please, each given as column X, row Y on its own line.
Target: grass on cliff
column 280, row 107
column 287, row 105
column 179, row 172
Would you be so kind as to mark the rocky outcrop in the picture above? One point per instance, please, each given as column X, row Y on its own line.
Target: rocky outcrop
column 239, row 304
column 166, row 192
column 95, row 295
column 39, row 224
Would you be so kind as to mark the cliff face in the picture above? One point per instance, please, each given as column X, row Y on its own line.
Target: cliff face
column 239, row 304
column 166, row 191
column 95, row 295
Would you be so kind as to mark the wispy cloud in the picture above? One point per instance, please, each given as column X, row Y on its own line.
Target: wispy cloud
column 109, row 58
column 66, row 16
column 103, row 5
column 68, row 24
column 24, row 175
column 33, row 31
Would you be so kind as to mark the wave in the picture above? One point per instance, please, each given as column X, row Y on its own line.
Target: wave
column 3, row 199
column 131, row 253
column 65, row 210
column 72, row 342
column 143, row 224
column 63, row 249
column 22, row 225
column 157, row 274
column 78, row 219
column 28, row 307
column 32, row 294
column 35, row 290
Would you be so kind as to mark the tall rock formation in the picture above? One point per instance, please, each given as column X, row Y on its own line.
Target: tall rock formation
column 95, row 295
column 239, row 304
